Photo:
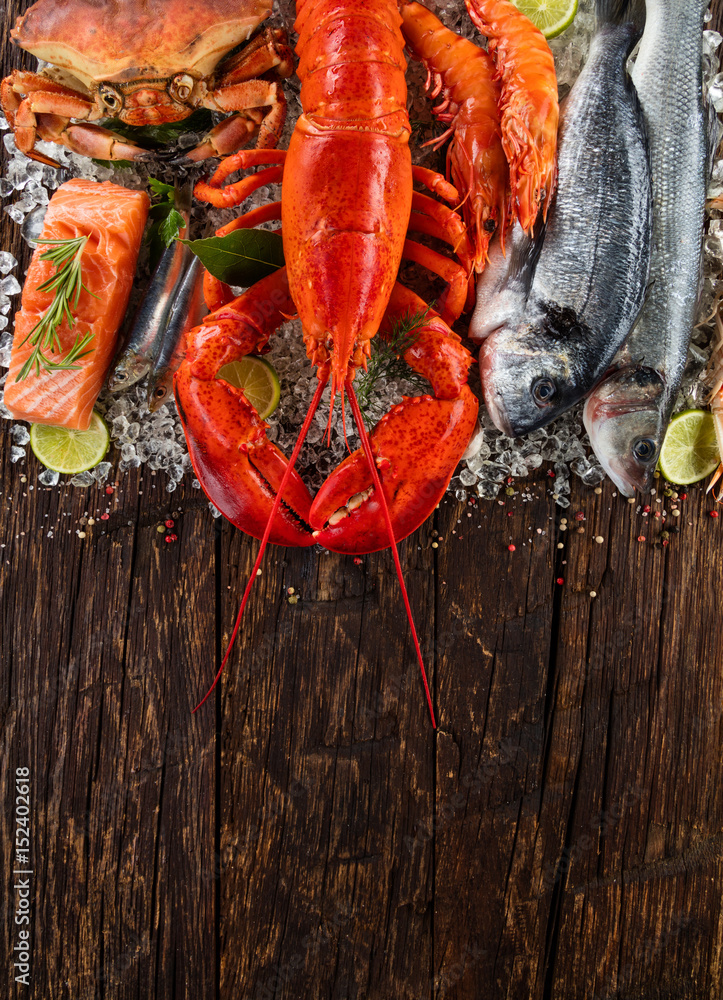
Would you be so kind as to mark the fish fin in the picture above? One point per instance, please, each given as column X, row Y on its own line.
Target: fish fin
column 525, row 255
column 620, row 12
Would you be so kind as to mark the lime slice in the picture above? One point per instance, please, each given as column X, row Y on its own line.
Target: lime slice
column 259, row 382
column 64, row 450
column 690, row 449
column 550, row 16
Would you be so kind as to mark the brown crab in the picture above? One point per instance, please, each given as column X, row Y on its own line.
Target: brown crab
column 144, row 62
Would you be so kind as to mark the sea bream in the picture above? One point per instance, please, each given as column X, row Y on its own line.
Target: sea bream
column 563, row 315
column 627, row 414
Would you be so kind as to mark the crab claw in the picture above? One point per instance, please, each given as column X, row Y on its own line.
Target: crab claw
column 416, row 447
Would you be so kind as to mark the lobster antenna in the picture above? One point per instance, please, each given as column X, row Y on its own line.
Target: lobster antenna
column 267, row 531
column 390, row 530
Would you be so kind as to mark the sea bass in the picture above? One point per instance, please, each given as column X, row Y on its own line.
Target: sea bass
column 557, row 340
column 627, row 415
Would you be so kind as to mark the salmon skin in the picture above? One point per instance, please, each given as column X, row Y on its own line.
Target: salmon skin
column 113, row 219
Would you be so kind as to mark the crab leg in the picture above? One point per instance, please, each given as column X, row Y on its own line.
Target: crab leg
column 45, row 112
column 246, row 97
column 216, row 193
column 416, row 446
column 267, row 51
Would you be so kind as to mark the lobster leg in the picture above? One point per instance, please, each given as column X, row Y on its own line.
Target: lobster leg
column 239, row 468
column 416, row 446
column 434, row 182
column 449, row 226
column 456, row 277
column 221, row 195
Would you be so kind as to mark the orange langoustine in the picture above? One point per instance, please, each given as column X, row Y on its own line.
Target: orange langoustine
column 528, row 105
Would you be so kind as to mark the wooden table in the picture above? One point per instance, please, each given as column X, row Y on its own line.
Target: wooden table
column 306, row 834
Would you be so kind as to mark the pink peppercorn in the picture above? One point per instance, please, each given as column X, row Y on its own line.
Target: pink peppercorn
column 641, row 538
column 647, row 508
column 560, row 580
column 104, row 517
column 713, row 513
column 683, row 496
column 171, row 538
column 357, row 561
column 579, row 516
column 169, row 523
column 109, row 490
column 511, row 548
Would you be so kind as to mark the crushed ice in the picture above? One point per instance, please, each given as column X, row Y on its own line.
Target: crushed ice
column 156, row 440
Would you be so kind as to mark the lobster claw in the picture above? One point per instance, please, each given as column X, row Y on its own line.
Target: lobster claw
column 239, row 468
column 416, row 446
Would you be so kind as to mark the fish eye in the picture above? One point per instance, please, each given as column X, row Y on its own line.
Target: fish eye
column 644, row 449
column 120, row 377
column 543, row 391
column 160, row 392
column 112, row 99
column 181, row 86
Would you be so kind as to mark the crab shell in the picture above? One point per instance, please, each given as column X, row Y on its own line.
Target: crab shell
column 124, row 40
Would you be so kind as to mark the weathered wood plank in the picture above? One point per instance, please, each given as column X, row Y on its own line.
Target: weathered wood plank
column 560, row 836
column 640, row 868
column 495, row 610
column 327, row 745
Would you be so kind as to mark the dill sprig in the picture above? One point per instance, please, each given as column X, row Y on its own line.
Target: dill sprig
column 387, row 362
column 66, row 284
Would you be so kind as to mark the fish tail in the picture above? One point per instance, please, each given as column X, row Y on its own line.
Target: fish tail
column 621, row 12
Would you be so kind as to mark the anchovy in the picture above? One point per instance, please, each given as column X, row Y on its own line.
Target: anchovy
column 186, row 312
column 560, row 334
column 144, row 341
column 628, row 414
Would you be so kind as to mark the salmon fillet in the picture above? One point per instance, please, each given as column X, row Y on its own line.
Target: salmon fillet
column 114, row 218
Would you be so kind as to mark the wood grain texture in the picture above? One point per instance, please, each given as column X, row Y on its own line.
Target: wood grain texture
column 306, row 834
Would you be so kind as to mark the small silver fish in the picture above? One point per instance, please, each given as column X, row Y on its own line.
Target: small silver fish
column 187, row 310
column 566, row 306
column 628, row 413
column 146, row 336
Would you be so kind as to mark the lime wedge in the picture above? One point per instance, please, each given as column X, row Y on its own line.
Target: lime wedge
column 550, row 16
column 259, row 382
column 690, row 449
column 64, row 450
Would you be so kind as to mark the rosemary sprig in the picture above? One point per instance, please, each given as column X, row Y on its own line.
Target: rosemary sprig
column 387, row 361
column 66, row 284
